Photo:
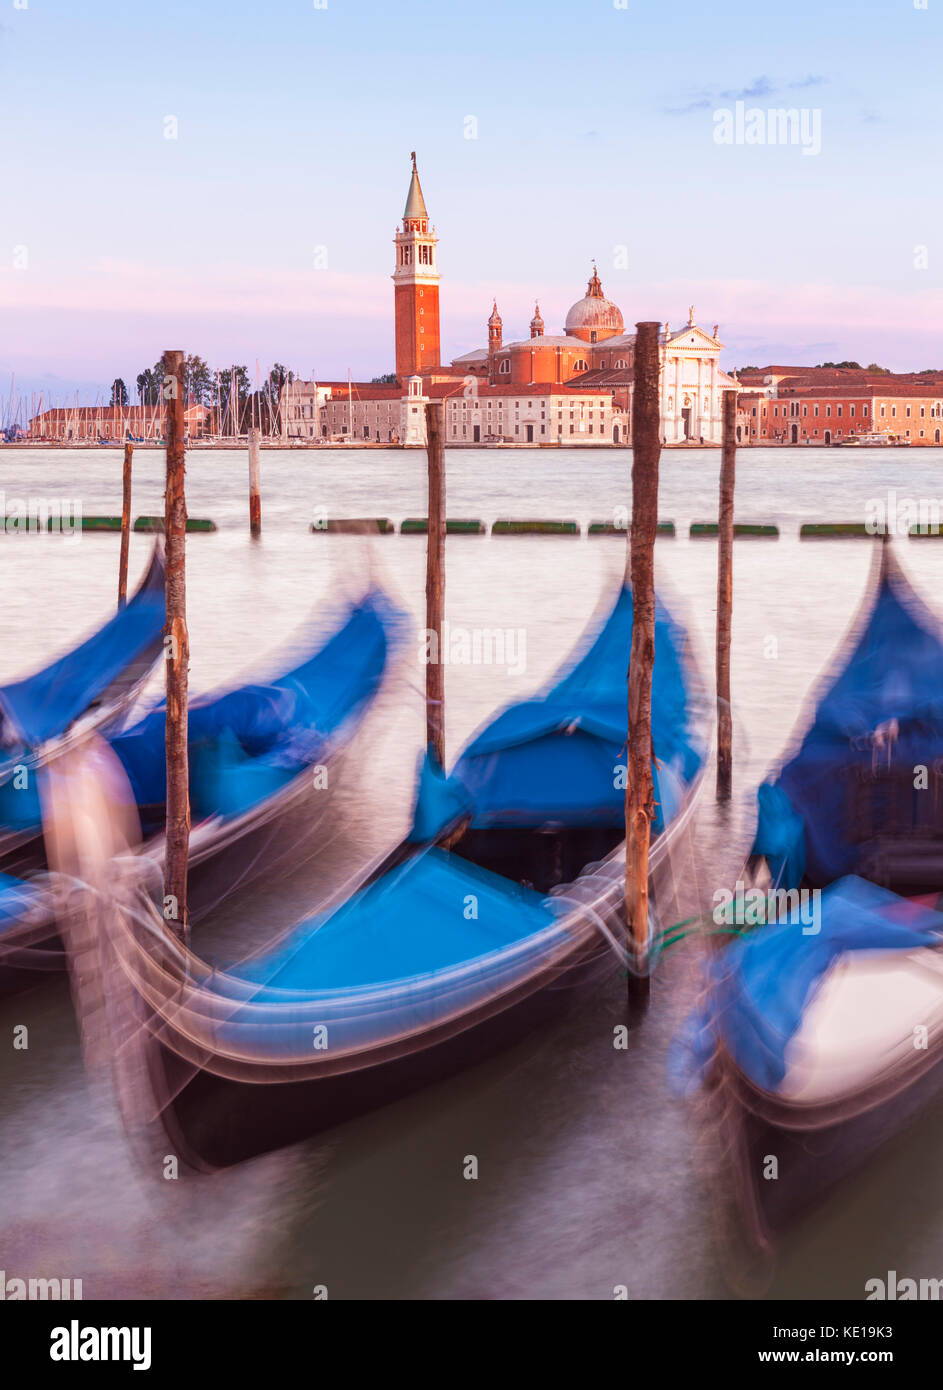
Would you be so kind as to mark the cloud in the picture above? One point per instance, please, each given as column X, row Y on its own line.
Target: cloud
column 759, row 87
column 702, row 103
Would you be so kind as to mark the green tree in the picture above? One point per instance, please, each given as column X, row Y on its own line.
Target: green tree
column 119, row 392
column 390, row 379
column 198, row 381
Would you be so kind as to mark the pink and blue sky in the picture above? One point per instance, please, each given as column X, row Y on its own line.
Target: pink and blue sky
column 594, row 131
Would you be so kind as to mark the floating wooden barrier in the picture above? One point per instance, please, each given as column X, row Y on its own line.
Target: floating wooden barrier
column 535, row 528
column 609, row 528
column 458, row 526
column 923, row 532
column 354, row 526
column 741, row 528
column 838, row 530
column 156, row 523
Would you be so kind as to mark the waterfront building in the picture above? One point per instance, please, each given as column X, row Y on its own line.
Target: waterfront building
column 825, row 405
column 112, row 423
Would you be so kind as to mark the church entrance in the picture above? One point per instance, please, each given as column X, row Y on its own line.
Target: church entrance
column 686, row 416
column 530, row 434
column 795, row 434
column 828, row 436
column 477, row 433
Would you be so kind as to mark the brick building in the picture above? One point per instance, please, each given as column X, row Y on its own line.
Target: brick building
column 111, row 423
column 822, row 405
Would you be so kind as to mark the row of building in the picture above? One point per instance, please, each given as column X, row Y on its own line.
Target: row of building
column 566, row 389
column 570, row 388
column 825, row 405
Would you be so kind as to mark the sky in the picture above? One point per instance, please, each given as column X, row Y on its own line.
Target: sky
column 226, row 177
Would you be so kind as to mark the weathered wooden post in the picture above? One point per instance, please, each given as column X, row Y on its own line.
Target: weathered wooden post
column 728, row 465
column 435, row 581
column 640, row 790
column 255, row 494
column 177, row 651
column 125, row 525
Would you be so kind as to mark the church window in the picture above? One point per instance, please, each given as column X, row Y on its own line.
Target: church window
column 505, row 367
column 908, row 412
column 852, row 410
column 621, row 362
column 592, row 335
column 894, row 411
column 864, row 410
column 839, row 412
column 923, row 411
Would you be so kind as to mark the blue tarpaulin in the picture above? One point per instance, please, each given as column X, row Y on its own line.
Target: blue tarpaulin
column 248, row 743
column 884, row 711
column 760, row 987
column 44, row 705
column 560, row 757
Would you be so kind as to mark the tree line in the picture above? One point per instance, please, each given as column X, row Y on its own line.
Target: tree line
column 227, row 393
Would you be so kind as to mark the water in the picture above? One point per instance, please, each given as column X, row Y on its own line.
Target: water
column 590, row 1174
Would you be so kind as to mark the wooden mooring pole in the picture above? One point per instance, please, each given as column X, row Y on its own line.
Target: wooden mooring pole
column 728, row 466
column 255, row 492
column 435, row 581
column 640, row 790
column 177, row 651
column 125, row 525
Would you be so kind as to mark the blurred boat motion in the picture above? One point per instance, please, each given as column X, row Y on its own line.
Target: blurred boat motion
column 261, row 759
column 820, row 1031
column 505, row 899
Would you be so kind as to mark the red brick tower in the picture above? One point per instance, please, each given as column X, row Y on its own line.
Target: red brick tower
column 416, row 288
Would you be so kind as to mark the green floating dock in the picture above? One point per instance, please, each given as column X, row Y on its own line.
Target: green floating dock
column 741, row 528
column 609, row 528
column 354, row 526
column 156, row 523
column 838, row 530
column 535, row 528
column 457, row 526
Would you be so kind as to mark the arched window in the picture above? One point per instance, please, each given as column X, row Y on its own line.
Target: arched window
column 580, row 365
column 621, row 363
column 505, row 366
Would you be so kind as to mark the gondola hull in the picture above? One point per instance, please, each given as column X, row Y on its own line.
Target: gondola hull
column 213, row 1121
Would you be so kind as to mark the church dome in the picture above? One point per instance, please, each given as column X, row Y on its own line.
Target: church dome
column 594, row 317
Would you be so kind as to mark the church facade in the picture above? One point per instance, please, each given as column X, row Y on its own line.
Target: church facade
column 574, row 387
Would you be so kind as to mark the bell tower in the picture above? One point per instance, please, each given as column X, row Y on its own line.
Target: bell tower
column 416, row 287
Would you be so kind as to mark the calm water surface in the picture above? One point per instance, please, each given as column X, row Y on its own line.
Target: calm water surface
column 590, row 1175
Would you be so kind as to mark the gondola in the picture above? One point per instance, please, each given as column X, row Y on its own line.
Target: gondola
column 501, row 905
column 264, row 759
column 820, row 1032
column 44, row 714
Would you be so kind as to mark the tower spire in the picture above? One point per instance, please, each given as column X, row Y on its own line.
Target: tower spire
column 415, row 210
column 416, row 286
